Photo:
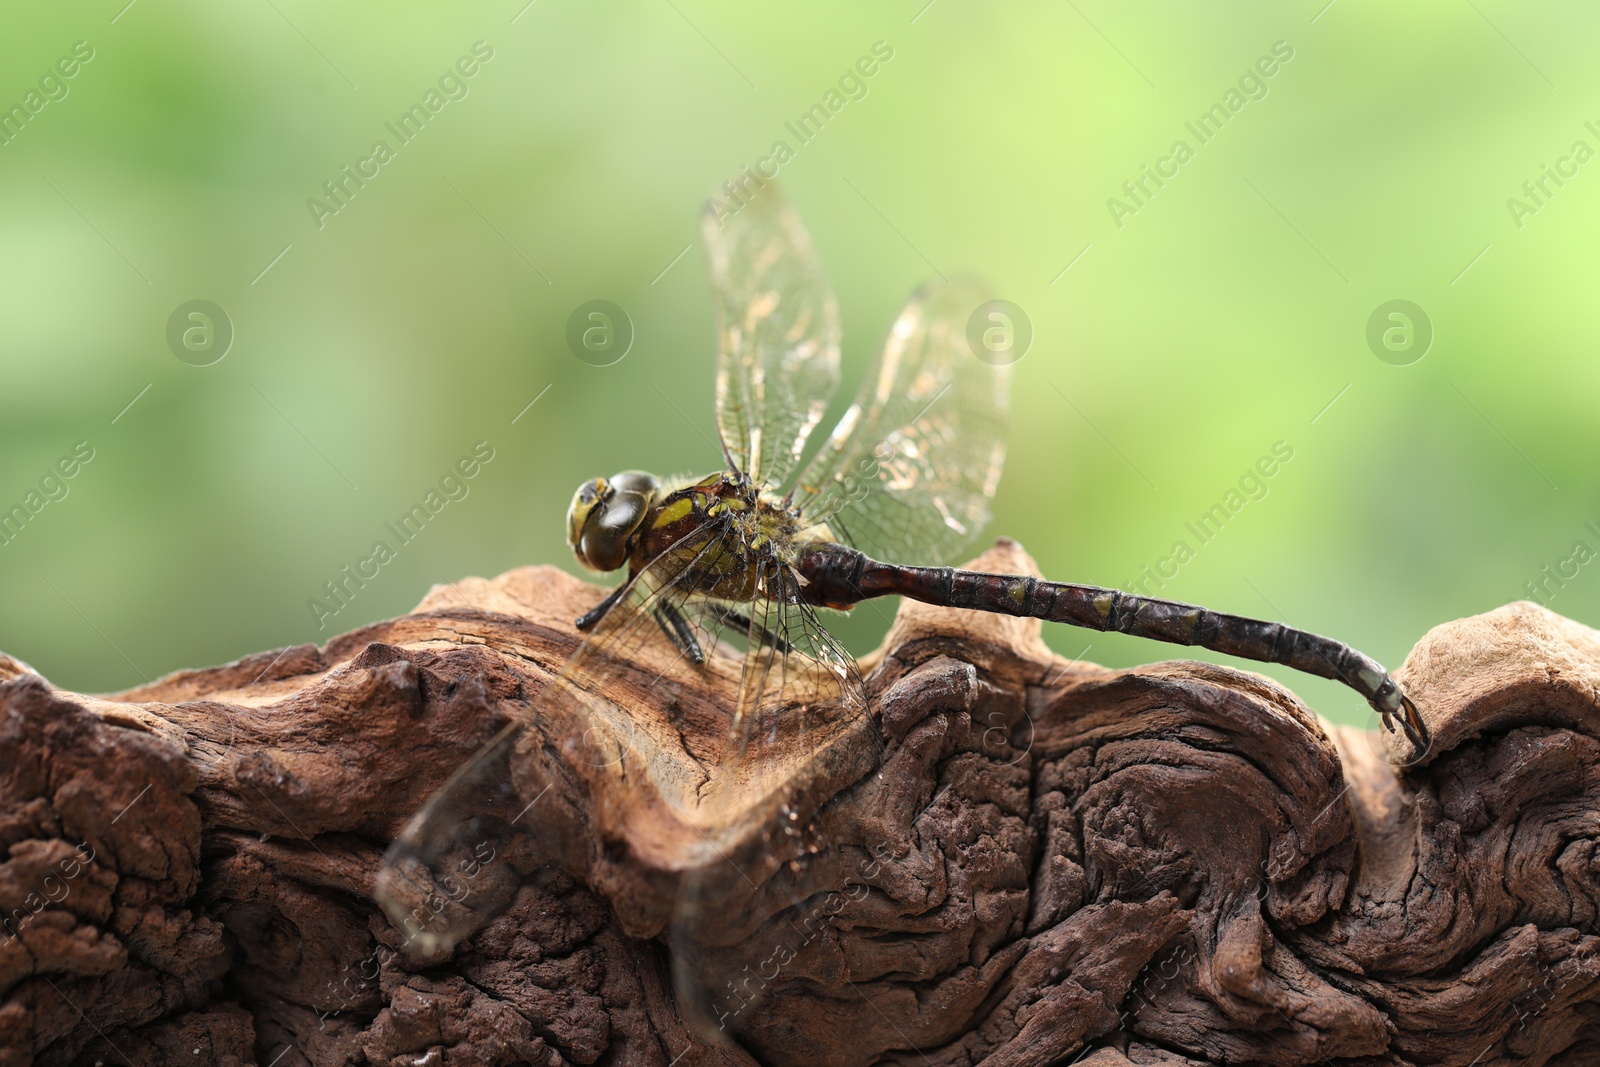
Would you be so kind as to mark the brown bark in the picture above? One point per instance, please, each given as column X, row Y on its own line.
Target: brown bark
column 1170, row 865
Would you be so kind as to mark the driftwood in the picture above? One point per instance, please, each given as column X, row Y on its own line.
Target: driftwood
column 1053, row 862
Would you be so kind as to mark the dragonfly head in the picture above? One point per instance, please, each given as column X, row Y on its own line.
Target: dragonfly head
column 605, row 515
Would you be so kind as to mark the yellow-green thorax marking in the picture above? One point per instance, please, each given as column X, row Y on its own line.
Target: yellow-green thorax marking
column 632, row 519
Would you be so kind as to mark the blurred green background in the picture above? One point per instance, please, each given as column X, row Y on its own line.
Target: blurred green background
column 1228, row 313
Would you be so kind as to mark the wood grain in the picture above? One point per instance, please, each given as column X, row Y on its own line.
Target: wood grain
column 1027, row 861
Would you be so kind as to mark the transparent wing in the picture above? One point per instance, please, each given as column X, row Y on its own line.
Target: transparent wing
column 488, row 830
column 908, row 473
column 798, row 683
column 800, row 732
column 461, row 858
column 803, row 733
column 777, row 333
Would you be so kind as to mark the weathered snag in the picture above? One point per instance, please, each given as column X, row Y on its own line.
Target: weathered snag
column 1048, row 860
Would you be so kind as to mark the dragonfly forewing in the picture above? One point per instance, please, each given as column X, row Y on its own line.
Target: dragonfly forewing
column 803, row 733
column 777, row 334
column 450, row 869
column 908, row 473
column 488, row 829
column 608, row 716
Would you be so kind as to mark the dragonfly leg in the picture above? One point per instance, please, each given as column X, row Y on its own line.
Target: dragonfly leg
column 741, row 622
column 589, row 619
column 678, row 629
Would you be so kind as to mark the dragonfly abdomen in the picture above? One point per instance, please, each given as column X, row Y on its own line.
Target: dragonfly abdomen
column 838, row 576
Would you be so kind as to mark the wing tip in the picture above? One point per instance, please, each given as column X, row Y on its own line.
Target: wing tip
column 735, row 195
column 961, row 285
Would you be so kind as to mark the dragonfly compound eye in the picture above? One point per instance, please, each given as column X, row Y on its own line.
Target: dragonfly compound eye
column 605, row 515
column 584, row 501
column 641, row 482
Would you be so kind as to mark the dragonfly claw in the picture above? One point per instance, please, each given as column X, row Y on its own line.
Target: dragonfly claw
column 1415, row 729
column 1411, row 724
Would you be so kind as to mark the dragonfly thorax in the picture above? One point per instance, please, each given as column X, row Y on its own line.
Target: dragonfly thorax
column 750, row 522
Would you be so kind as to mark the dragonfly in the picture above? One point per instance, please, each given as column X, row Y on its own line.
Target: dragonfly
column 730, row 571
